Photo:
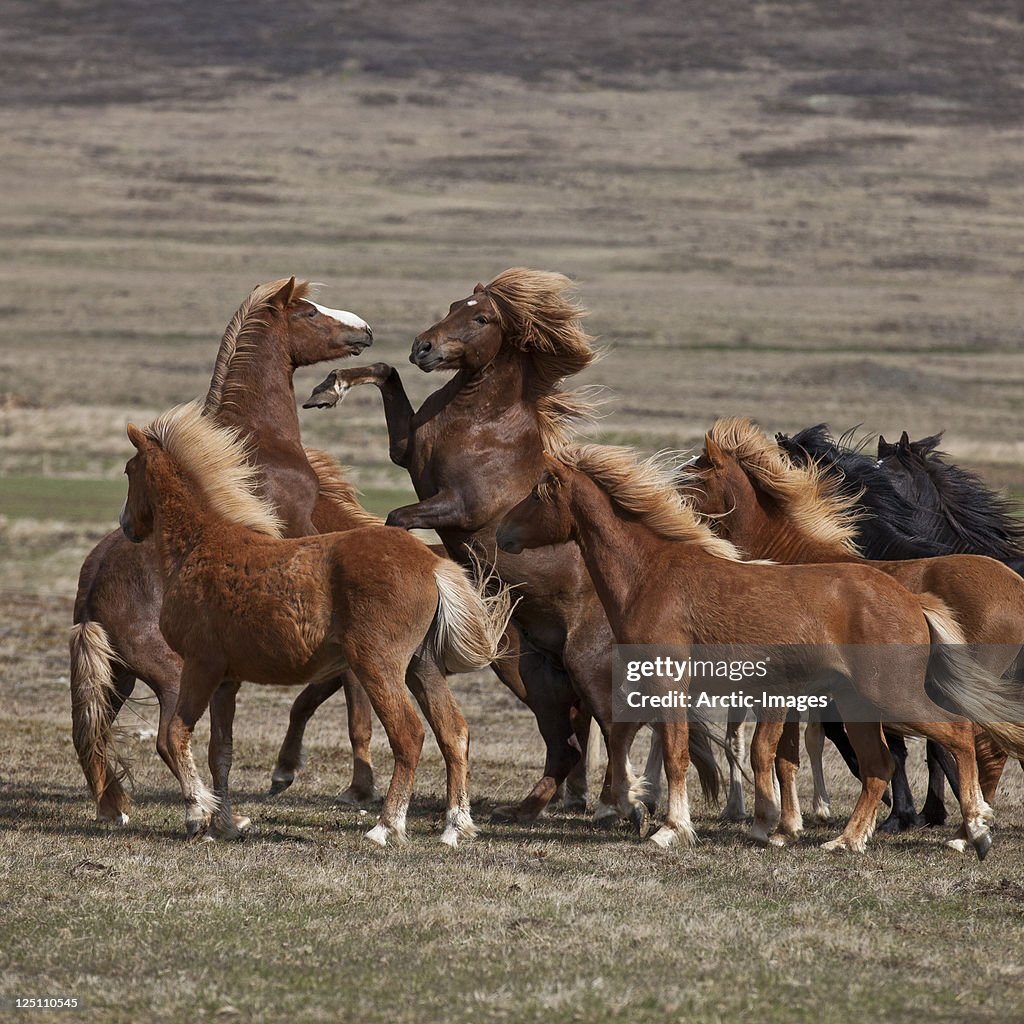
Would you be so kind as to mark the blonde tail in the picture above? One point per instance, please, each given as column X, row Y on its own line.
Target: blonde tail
column 470, row 622
column 992, row 703
column 92, row 689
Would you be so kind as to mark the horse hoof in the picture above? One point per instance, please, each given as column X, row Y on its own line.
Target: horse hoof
column 781, row 839
column 664, row 837
column 279, row 785
column 640, row 819
column 960, row 845
column 897, row 823
column 575, row 804
column 355, row 797
column 982, row 845
column 934, row 821
column 117, row 819
column 378, row 835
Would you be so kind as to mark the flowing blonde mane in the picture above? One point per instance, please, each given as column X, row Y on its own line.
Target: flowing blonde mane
column 336, row 488
column 647, row 490
column 539, row 317
column 811, row 498
column 237, row 341
column 217, row 459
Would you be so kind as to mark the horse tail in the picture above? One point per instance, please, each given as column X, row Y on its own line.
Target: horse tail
column 470, row 622
column 92, row 690
column 702, row 757
column 961, row 684
column 941, row 620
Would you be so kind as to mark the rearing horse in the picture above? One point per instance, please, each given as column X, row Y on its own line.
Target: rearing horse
column 116, row 638
column 474, row 449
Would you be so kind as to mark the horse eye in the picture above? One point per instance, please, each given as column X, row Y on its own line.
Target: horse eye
column 312, row 313
column 479, row 319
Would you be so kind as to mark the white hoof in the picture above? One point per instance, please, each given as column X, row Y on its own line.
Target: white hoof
column 379, row 835
column 780, row 839
column 960, row 845
column 822, row 812
column 665, row 837
column 450, row 837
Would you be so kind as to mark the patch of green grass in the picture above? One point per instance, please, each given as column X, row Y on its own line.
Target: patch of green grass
column 83, row 500
column 71, row 499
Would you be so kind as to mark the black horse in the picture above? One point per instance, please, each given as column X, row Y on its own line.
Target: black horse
column 916, row 504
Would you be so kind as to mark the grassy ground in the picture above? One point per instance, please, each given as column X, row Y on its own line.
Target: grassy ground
column 795, row 212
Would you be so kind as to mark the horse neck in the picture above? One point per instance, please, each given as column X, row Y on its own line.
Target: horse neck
column 492, row 391
column 616, row 550
column 776, row 537
column 180, row 516
column 259, row 395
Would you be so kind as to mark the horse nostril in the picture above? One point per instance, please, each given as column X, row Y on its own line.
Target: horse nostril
column 369, row 333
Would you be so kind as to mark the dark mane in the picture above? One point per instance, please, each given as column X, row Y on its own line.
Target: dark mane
column 888, row 527
column 981, row 520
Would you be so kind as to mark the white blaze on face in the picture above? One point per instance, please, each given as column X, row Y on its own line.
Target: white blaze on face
column 343, row 316
column 472, row 302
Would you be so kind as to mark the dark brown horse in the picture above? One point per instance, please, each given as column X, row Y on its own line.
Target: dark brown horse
column 116, row 639
column 771, row 508
column 664, row 578
column 473, row 450
column 242, row 602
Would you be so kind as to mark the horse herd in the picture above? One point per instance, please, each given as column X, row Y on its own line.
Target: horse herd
column 243, row 555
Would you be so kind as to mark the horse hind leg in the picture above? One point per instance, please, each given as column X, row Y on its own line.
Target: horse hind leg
column 814, row 744
column 574, row 791
column 677, row 825
column 876, row 765
column 385, row 687
column 290, row 758
column 903, row 815
column 767, row 810
column 429, row 686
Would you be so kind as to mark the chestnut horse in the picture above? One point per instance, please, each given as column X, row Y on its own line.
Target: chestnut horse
column 664, row 577
column 116, row 639
column 473, row 450
column 770, row 508
column 242, row 602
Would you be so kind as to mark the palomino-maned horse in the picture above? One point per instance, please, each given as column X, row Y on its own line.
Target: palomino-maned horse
column 665, row 578
column 243, row 602
column 907, row 511
column 473, row 450
column 116, row 639
column 770, row 508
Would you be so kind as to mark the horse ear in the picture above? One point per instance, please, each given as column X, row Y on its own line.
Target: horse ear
column 714, row 453
column 904, row 440
column 478, row 288
column 283, row 297
column 136, row 436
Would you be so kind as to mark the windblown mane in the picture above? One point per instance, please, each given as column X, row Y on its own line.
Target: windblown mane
column 235, row 344
column 982, row 519
column 217, row 459
column 888, row 527
column 813, row 500
column 336, row 488
column 647, row 490
column 539, row 317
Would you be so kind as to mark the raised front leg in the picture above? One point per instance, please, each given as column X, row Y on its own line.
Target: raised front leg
column 446, row 509
column 397, row 407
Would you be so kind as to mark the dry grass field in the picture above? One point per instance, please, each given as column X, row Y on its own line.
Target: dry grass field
column 798, row 212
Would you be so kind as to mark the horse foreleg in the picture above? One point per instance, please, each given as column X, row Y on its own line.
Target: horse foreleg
column 588, row 737
column 429, row 686
column 735, row 743
column 934, row 808
column 224, row 824
column 762, row 761
column 876, row 766
column 290, row 757
column 904, row 815
column 676, row 746
column 787, row 764
column 362, row 789
column 653, row 771
column 198, row 683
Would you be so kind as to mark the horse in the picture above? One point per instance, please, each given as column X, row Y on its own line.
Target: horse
column 953, row 502
column 116, row 639
column 899, row 521
column 664, row 577
column 769, row 508
column 241, row 601
column 473, row 450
